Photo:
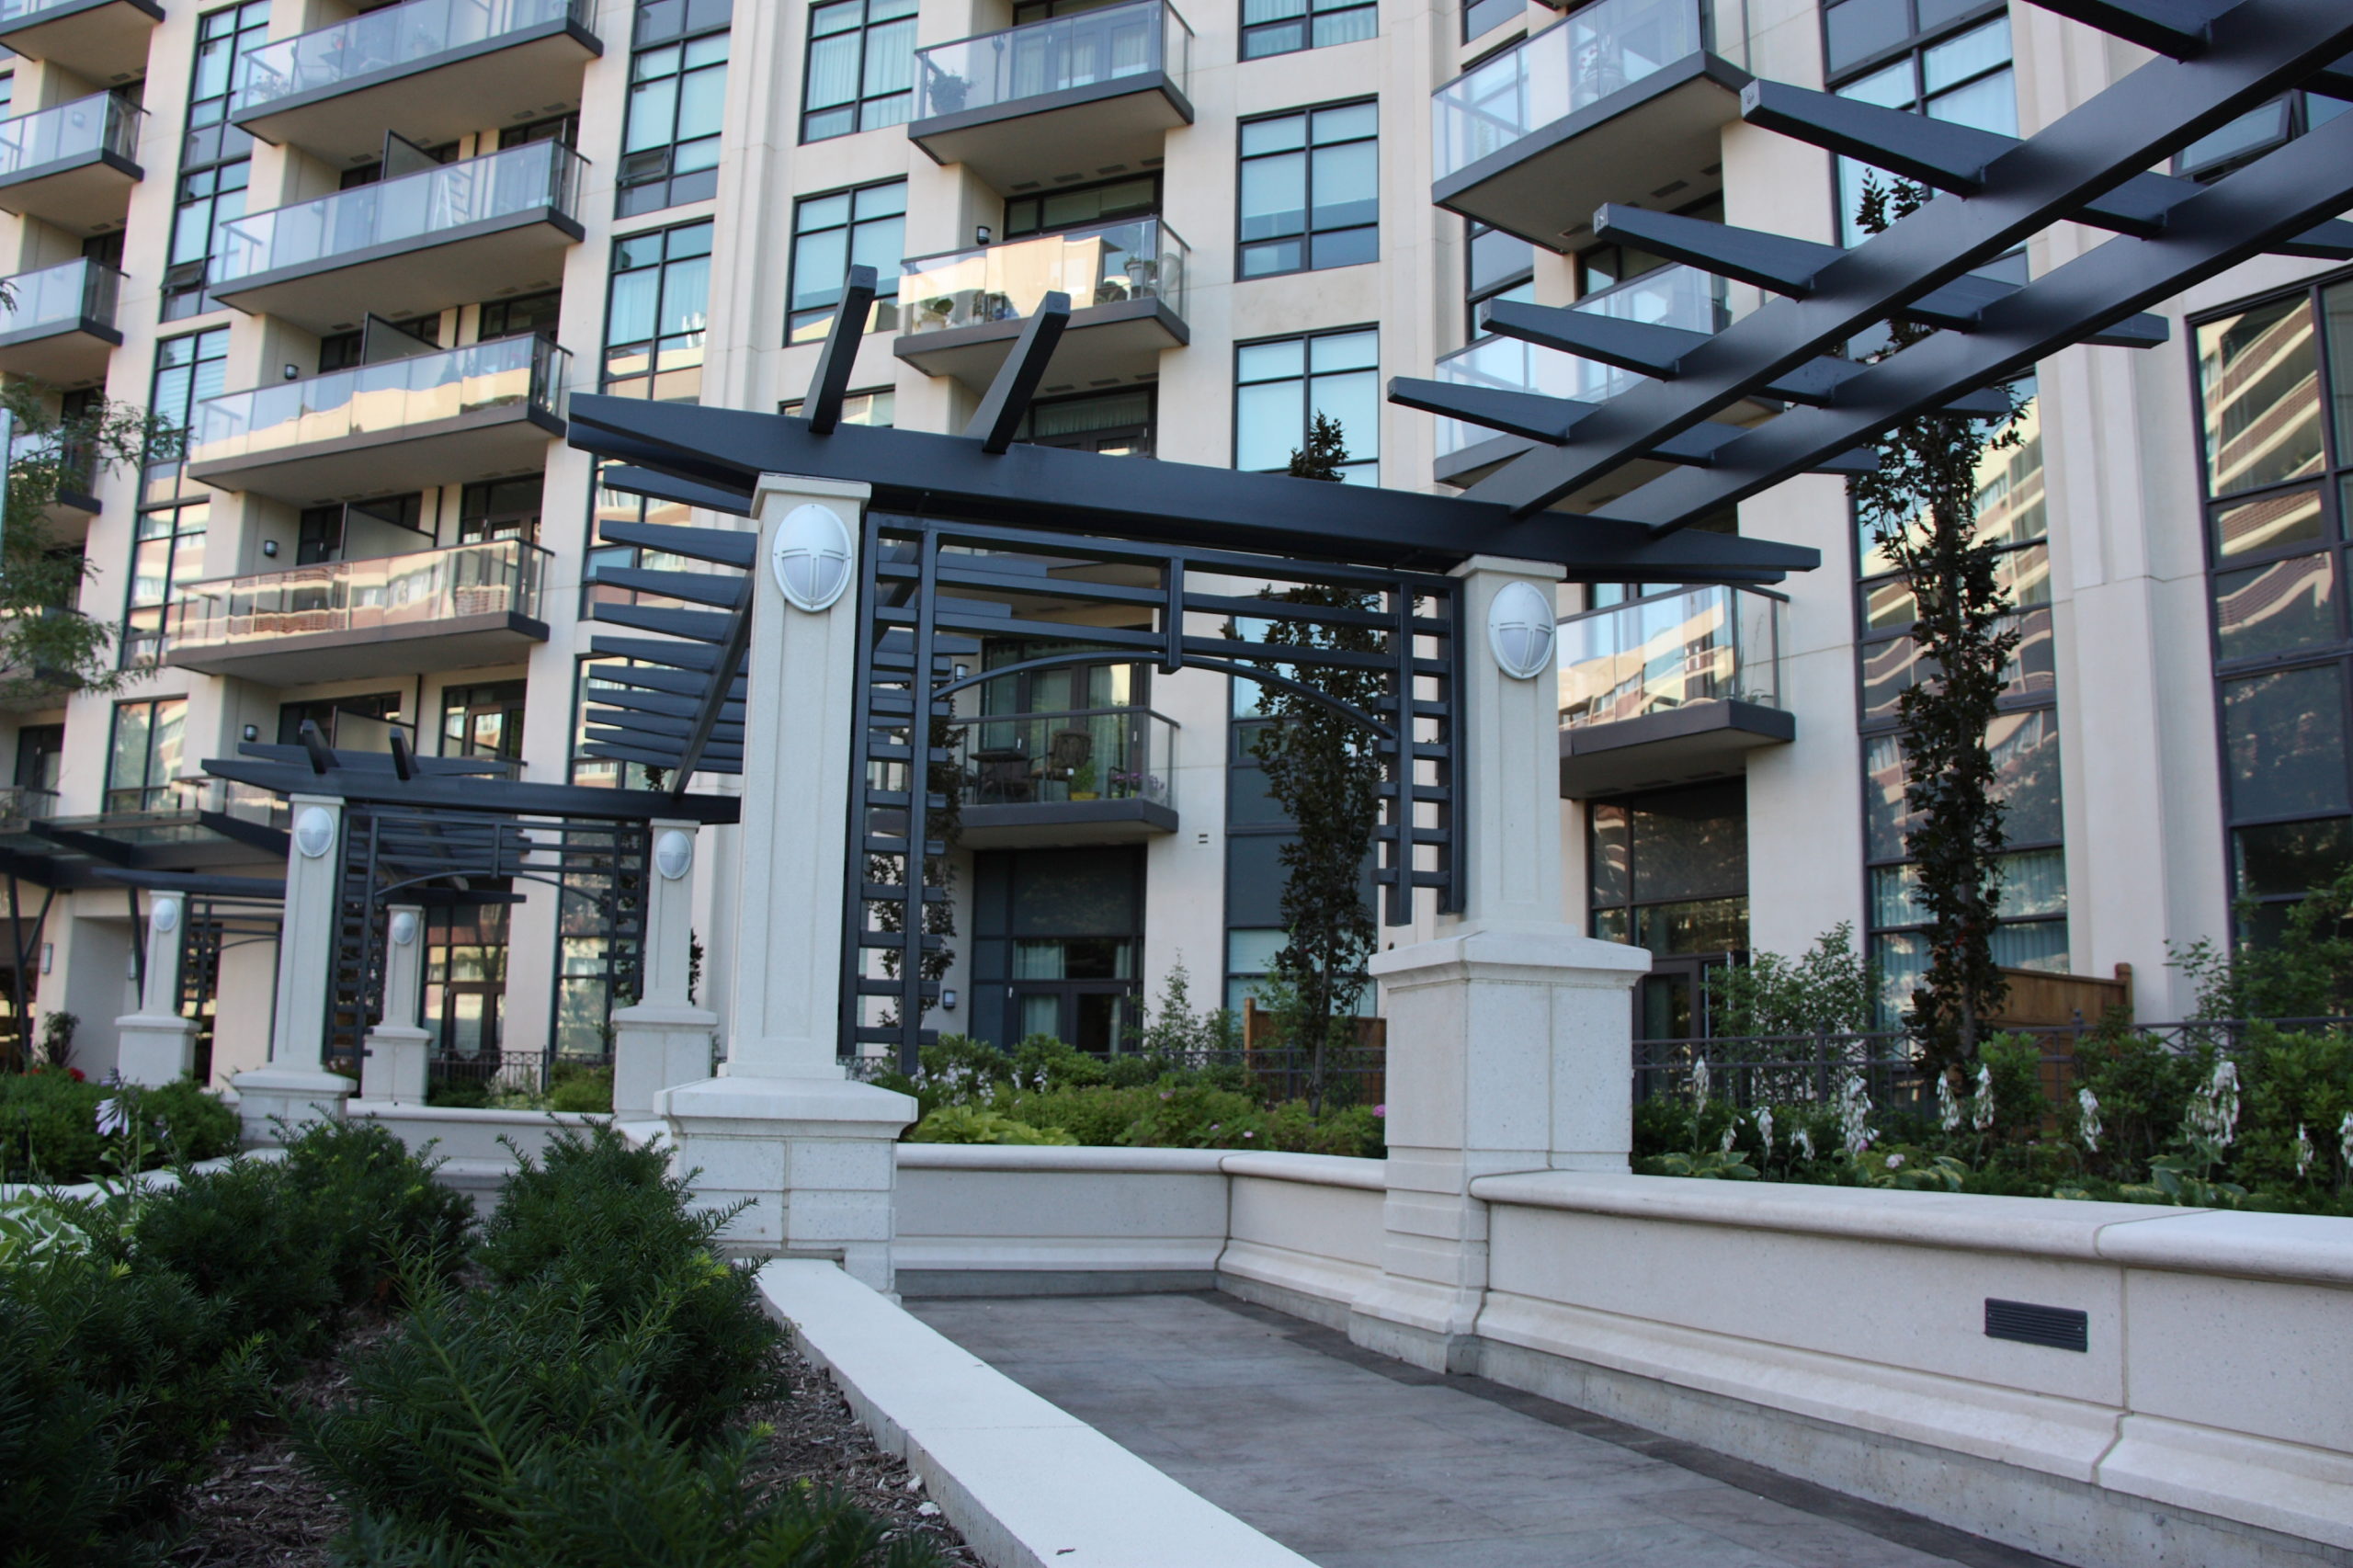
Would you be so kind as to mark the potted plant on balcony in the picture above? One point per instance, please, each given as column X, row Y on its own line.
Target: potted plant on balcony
column 1082, row 782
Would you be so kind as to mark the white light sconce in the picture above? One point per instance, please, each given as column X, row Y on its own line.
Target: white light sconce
column 810, row 557
column 947, row 999
column 314, row 832
column 164, row 916
column 674, row 855
column 253, row 731
column 1520, row 631
column 404, row 928
column 269, row 548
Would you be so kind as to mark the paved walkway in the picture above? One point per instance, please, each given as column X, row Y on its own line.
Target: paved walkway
column 1359, row 1461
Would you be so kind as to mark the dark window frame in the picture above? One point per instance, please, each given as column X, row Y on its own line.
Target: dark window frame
column 884, row 116
column 1306, row 388
column 1308, row 18
column 649, row 180
column 818, row 320
column 1306, row 238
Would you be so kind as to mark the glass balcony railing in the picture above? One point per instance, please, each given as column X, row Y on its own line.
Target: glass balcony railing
column 99, row 123
column 1704, row 645
column 1668, row 296
column 182, row 798
column 1086, row 754
column 1140, row 259
column 393, row 593
column 59, row 297
column 381, row 399
column 23, row 803
column 415, row 207
column 1081, row 50
column 395, row 36
column 1569, row 66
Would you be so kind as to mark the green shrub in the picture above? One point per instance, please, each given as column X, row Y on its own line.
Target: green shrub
column 459, row 1094
column 974, row 1124
column 2141, row 1090
column 49, row 1126
column 2013, row 1065
column 2294, row 1081
column 575, row 1087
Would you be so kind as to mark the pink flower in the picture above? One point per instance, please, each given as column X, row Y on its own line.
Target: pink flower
column 1382, row 1111
column 1249, row 1135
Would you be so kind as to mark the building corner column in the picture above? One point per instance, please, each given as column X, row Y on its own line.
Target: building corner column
column 663, row 1040
column 158, row 1046
column 1510, row 1035
column 392, row 1056
column 814, row 1153
column 296, row 1085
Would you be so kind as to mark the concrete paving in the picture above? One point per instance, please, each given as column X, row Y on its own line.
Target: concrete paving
column 1359, row 1461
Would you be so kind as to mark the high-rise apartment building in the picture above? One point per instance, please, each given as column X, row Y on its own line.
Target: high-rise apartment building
column 364, row 258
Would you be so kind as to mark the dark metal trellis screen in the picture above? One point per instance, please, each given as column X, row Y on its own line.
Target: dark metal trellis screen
column 931, row 588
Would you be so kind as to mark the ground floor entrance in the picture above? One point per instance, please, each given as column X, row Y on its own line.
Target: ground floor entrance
column 1058, row 945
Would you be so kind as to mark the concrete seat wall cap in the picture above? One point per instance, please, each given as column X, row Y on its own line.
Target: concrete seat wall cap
column 1026, row 1481
column 2312, row 1247
column 1543, row 952
column 1056, row 1157
column 1317, row 1170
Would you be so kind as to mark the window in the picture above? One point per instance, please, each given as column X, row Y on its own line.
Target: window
column 174, row 512
column 2255, row 133
column 678, row 97
column 1079, row 208
column 879, row 409
column 2275, row 384
column 1280, row 27
column 500, row 508
column 563, row 128
column 215, row 154
column 657, row 313
column 1280, row 386
column 7, row 95
column 1667, row 870
column 1964, row 76
column 538, row 313
column 1057, row 944
column 360, row 722
column 2032, row 928
column 484, row 721
column 1497, row 266
column 465, row 979
column 1483, row 17
column 861, row 70
column 363, row 530
column 1117, row 424
column 143, row 755
column 833, row 234
column 1310, row 190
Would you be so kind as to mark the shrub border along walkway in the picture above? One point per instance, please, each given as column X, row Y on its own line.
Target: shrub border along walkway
column 1028, row 1484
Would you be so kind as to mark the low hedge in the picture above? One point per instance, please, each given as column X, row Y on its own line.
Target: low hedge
column 49, row 1126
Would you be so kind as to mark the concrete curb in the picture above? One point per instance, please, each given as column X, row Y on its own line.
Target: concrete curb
column 1027, row 1484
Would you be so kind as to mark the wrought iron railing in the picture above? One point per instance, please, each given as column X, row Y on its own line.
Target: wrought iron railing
column 102, row 122
column 1665, row 650
column 1065, row 53
column 409, row 593
column 1081, row 753
column 1106, row 265
column 384, row 41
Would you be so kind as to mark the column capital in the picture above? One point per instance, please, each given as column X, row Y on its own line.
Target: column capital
column 1504, row 566
column 803, row 486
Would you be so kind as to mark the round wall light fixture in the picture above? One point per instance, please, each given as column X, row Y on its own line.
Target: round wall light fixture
column 674, row 853
column 1520, row 630
column 810, row 557
column 165, row 917
column 314, row 831
column 404, row 928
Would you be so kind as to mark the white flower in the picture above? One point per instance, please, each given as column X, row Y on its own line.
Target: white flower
column 114, row 1117
column 1803, row 1141
column 2304, row 1151
column 1980, row 1104
column 2213, row 1116
column 2345, row 1140
column 1895, row 1162
column 1765, row 1128
column 1854, row 1115
column 2088, row 1104
column 1700, row 1082
column 1948, row 1108
column 1732, row 1130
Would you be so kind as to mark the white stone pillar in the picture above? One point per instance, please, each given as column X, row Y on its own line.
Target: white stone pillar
column 783, row 1127
column 296, row 1085
column 1510, row 1036
column 392, row 1066
column 663, row 1039
column 158, row 1045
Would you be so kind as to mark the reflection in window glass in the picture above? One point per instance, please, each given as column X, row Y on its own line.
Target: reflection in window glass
column 2258, row 381
column 2284, row 734
column 2275, row 608
column 1310, row 190
column 861, row 68
column 1280, row 386
column 657, row 314
column 2293, row 518
column 833, row 234
column 2288, row 859
column 1278, row 27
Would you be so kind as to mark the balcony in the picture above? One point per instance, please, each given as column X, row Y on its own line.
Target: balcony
column 1079, row 97
column 57, row 325
column 1086, row 776
column 1669, row 688
column 430, row 70
column 98, row 40
column 71, row 165
column 438, row 610
column 1620, row 101
column 443, row 236
column 481, row 412
column 1126, row 282
column 1668, row 296
column 21, row 803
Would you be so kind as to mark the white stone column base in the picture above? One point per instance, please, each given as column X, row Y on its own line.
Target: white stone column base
column 815, row 1156
column 393, row 1067
column 294, row 1095
column 658, row 1046
column 156, row 1047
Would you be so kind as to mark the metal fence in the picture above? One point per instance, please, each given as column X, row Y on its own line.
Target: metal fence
column 1782, row 1069
column 499, row 1072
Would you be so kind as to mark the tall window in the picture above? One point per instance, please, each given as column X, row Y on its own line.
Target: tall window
column 657, row 314
column 174, row 511
column 1947, row 59
column 1310, row 190
column 1497, row 266
column 677, row 96
column 500, row 508
column 215, row 154
column 2032, row 931
column 861, row 71
column 484, row 721
column 1281, row 385
column 2275, row 380
column 833, row 234
column 1278, row 27
column 1667, row 870
column 143, row 753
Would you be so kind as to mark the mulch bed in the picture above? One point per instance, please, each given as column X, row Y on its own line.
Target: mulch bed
column 260, row 1509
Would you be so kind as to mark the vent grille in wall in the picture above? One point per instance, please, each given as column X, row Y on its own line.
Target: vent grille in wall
column 2062, row 1328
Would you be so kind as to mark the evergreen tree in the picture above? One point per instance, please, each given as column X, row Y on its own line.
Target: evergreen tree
column 1921, row 506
